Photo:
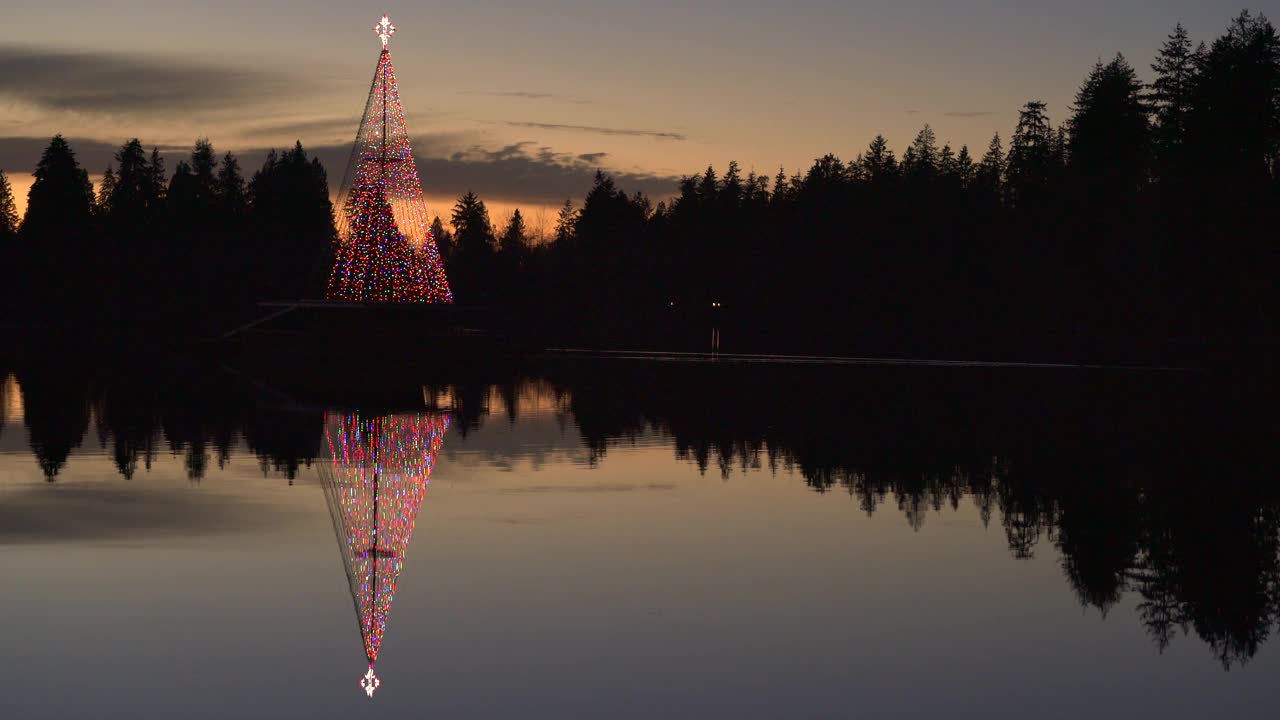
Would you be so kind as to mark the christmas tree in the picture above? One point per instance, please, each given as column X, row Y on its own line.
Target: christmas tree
column 374, row 489
column 386, row 252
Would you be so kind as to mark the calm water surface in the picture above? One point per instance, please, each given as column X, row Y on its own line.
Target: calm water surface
column 636, row 543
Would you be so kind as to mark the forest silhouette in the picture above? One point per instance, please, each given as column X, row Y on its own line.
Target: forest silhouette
column 1141, row 223
column 1154, row 485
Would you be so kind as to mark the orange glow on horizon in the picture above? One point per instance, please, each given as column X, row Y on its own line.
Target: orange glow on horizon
column 11, row 403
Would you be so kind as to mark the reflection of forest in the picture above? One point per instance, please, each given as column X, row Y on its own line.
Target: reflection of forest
column 1159, row 485
column 140, row 412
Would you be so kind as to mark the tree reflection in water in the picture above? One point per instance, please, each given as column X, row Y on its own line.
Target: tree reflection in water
column 374, row 484
column 1159, row 485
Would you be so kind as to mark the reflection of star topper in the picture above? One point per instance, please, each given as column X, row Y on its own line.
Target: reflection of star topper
column 370, row 682
column 385, row 30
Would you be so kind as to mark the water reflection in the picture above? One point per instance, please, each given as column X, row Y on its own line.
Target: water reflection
column 10, row 400
column 374, row 487
column 1141, row 486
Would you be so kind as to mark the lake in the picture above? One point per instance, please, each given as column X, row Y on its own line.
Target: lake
column 629, row 538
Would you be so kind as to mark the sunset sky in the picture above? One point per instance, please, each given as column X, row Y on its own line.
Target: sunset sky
column 521, row 100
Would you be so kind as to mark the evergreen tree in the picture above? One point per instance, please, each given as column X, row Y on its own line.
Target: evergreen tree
column 660, row 214
column 755, row 190
column 105, row 190
column 920, row 162
column 781, row 188
column 827, row 174
column 1060, row 151
column 687, row 201
column 130, row 197
column 708, row 188
column 204, row 166
column 204, row 172
column 947, row 161
column 60, row 202
column 156, row 181
column 193, row 190
column 609, row 215
column 989, row 179
column 292, row 222
column 1176, row 68
column 641, row 203
column 231, row 191
column 471, row 272
column 965, row 169
column 1110, row 136
column 910, row 163
column 515, row 239
column 443, row 238
column 1030, row 165
column 880, row 165
column 181, row 191
column 566, row 221
column 1234, row 123
column 856, row 170
column 948, row 179
column 731, row 186
column 474, row 231
column 8, row 211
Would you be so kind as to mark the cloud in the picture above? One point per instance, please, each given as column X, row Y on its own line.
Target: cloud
column 594, row 488
column 330, row 129
column 121, row 83
column 520, row 520
column 957, row 113
column 526, row 95
column 601, row 130
column 520, row 94
column 522, row 172
column 21, row 154
column 504, row 153
column 342, row 129
column 79, row 512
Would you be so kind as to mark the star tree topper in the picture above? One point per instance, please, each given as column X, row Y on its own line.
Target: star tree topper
column 370, row 682
column 385, row 30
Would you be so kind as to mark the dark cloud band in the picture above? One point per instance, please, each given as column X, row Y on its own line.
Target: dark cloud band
column 520, row 172
column 541, row 176
column 602, row 130
column 21, row 154
column 527, row 95
column 119, row 83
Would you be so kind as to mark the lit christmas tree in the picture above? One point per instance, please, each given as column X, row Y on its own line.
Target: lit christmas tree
column 374, row 488
column 386, row 252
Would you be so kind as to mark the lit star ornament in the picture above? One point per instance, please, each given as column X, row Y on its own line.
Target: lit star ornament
column 385, row 30
column 370, row 682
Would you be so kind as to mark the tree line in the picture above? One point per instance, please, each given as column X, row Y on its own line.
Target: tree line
column 1173, row 503
column 1145, row 216
column 184, row 251
column 1122, row 477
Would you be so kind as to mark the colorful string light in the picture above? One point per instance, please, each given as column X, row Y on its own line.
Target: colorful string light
column 386, row 252
column 374, row 489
